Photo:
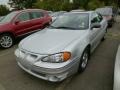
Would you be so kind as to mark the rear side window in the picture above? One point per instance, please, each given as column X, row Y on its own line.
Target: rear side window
column 35, row 15
column 24, row 17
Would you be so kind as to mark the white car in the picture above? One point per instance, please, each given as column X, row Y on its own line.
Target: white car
column 117, row 71
column 63, row 48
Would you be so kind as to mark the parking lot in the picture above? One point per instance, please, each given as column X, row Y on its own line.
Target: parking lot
column 97, row 76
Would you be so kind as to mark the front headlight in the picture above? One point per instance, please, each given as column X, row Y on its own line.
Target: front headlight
column 57, row 58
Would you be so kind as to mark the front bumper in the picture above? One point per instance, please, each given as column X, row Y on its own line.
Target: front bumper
column 47, row 73
column 56, row 77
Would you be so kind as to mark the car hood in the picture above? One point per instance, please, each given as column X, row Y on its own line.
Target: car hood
column 50, row 41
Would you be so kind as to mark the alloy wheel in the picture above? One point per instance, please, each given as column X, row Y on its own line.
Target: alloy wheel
column 6, row 41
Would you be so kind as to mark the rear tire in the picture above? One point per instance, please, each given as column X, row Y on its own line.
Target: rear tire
column 6, row 41
column 84, row 60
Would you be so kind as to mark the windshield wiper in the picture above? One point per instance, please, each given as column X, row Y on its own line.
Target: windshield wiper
column 62, row 27
column 65, row 27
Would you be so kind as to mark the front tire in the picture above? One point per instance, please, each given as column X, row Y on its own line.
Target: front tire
column 84, row 60
column 6, row 41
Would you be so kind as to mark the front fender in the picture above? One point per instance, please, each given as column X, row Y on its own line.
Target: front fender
column 77, row 47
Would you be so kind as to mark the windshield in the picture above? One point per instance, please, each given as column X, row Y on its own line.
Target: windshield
column 8, row 18
column 76, row 21
column 104, row 11
column 57, row 14
column 1, row 18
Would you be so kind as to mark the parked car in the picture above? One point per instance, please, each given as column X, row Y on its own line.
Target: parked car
column 117, row 71
column 19, row 23
column 114, row 10
column 63, row 48
column 108, row 13
column 56, row 14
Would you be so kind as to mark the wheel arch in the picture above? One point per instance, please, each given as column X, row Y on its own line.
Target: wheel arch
column 10, row 33
column 12, row 39
column 89, row 48
column 80, row 69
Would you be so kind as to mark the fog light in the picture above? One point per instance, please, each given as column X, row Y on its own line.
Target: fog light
column 53, row 78
column 57, row 77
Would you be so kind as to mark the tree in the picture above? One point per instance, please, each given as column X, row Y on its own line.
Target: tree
column 21, row 4
column 48, row 5
column 93, row 4
column 66, row 6
column 3, row 10
column 56, row 5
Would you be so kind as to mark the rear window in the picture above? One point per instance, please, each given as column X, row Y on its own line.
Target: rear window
column 35, row 15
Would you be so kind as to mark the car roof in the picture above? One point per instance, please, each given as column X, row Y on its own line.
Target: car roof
column 29, row 10
column 77, row 10
column 104, row 8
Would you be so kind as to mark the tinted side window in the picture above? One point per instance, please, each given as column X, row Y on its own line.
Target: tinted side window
column 35, row 15
column 23, row 17
column 100, row 17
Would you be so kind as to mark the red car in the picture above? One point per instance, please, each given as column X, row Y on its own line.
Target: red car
column 19, row 23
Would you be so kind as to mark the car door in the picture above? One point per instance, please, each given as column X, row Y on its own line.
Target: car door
column 22, row 24
column 94, row 32
column 37, row 20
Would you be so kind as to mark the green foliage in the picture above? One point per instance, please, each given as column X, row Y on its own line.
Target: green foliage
column 66, row 6
column 53, row 5
column 93, row 4
column 3, row 10
column 56, row 5
column 21, row 4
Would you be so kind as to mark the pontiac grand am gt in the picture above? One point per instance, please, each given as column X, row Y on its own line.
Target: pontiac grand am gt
column 63, row 48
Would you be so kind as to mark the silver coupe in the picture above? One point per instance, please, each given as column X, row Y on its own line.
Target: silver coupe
column 63, row 48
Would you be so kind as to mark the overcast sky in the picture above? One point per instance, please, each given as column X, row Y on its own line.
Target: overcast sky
column 4, row 2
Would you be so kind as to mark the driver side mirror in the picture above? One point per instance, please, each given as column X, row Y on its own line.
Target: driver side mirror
column 95, row 25
column 17, row 22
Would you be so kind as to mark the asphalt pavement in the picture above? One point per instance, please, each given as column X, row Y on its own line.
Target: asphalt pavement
column 97, row 76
